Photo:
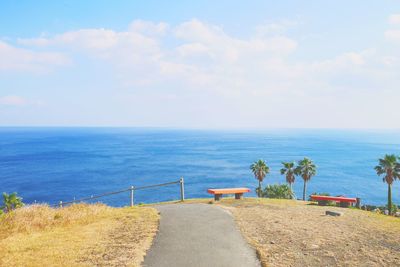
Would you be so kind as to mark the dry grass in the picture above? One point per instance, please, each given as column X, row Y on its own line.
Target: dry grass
column 78, row 235
column 284, row 233
column 292, row 233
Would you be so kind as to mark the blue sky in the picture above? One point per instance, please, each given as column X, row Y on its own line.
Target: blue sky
column 201, row 64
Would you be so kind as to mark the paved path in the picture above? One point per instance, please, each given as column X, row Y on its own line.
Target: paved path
column 198, row 235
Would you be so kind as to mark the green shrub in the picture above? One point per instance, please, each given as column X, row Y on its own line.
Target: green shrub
column 11, row 202
column 278, row 191
column 394, row 208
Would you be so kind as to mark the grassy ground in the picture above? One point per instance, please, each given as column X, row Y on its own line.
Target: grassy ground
column 284, row 233
column 78, row 235
column 293, row 233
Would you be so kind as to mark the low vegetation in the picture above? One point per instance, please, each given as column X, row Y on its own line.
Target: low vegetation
column 11, row 202
column 304, row 168
column 388, row 167
column 77, row 235
column 278, row 191
column 381, row 209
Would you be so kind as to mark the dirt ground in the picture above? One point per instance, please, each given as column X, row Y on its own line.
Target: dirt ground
column 292, row 233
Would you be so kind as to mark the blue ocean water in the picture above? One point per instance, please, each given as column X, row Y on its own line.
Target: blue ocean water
column 53, row 164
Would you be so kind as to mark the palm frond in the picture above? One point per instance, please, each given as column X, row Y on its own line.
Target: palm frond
column 260, row 169
column 306, row 169
column 389, row 167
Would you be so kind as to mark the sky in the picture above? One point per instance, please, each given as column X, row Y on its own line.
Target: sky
column 200, row 64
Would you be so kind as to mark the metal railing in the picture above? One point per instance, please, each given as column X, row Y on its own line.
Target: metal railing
column 132, row 190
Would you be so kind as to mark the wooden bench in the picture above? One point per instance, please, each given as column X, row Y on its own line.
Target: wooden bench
column 343, row 201
column 223, row 191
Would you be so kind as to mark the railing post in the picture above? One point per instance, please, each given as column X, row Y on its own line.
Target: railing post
column 182, row 183
column 358, row 203
column 60, row 204
column 132, row 190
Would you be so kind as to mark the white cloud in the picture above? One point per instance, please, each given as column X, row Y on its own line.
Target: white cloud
column 202, row 57
column 279, row 27
column 137, row 46
column 149, row 28
column 18, row 101
column 13, row 100
column 393, row 35
column 394, row 19
column 18, row 59
column 192, row 49
column 197, row 32
column 199, row 68
column 85, row 38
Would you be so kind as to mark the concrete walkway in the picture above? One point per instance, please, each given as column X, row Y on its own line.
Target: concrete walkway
column 198, row 235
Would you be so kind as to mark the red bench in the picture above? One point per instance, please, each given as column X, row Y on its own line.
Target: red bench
column 343, row 201
column 223, row 191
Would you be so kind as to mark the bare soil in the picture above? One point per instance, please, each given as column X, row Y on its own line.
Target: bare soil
column 295, row 233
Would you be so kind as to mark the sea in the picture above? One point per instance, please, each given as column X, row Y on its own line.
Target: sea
column 48, row 165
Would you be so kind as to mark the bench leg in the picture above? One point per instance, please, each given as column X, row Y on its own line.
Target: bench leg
column 238, row 195
column 344, row 204
column 217, row 197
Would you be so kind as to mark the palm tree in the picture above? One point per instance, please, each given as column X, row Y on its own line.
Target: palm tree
column 390, row 167
column 11, row 202
column 289, row 171
column 260, row 169
column 306, row 169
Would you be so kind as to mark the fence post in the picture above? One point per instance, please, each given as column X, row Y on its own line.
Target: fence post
column 132, row 190
column 182, row 183
column 358, row 203
column 60, row 204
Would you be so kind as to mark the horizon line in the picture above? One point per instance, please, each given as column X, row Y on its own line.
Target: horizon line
column 201, row 128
